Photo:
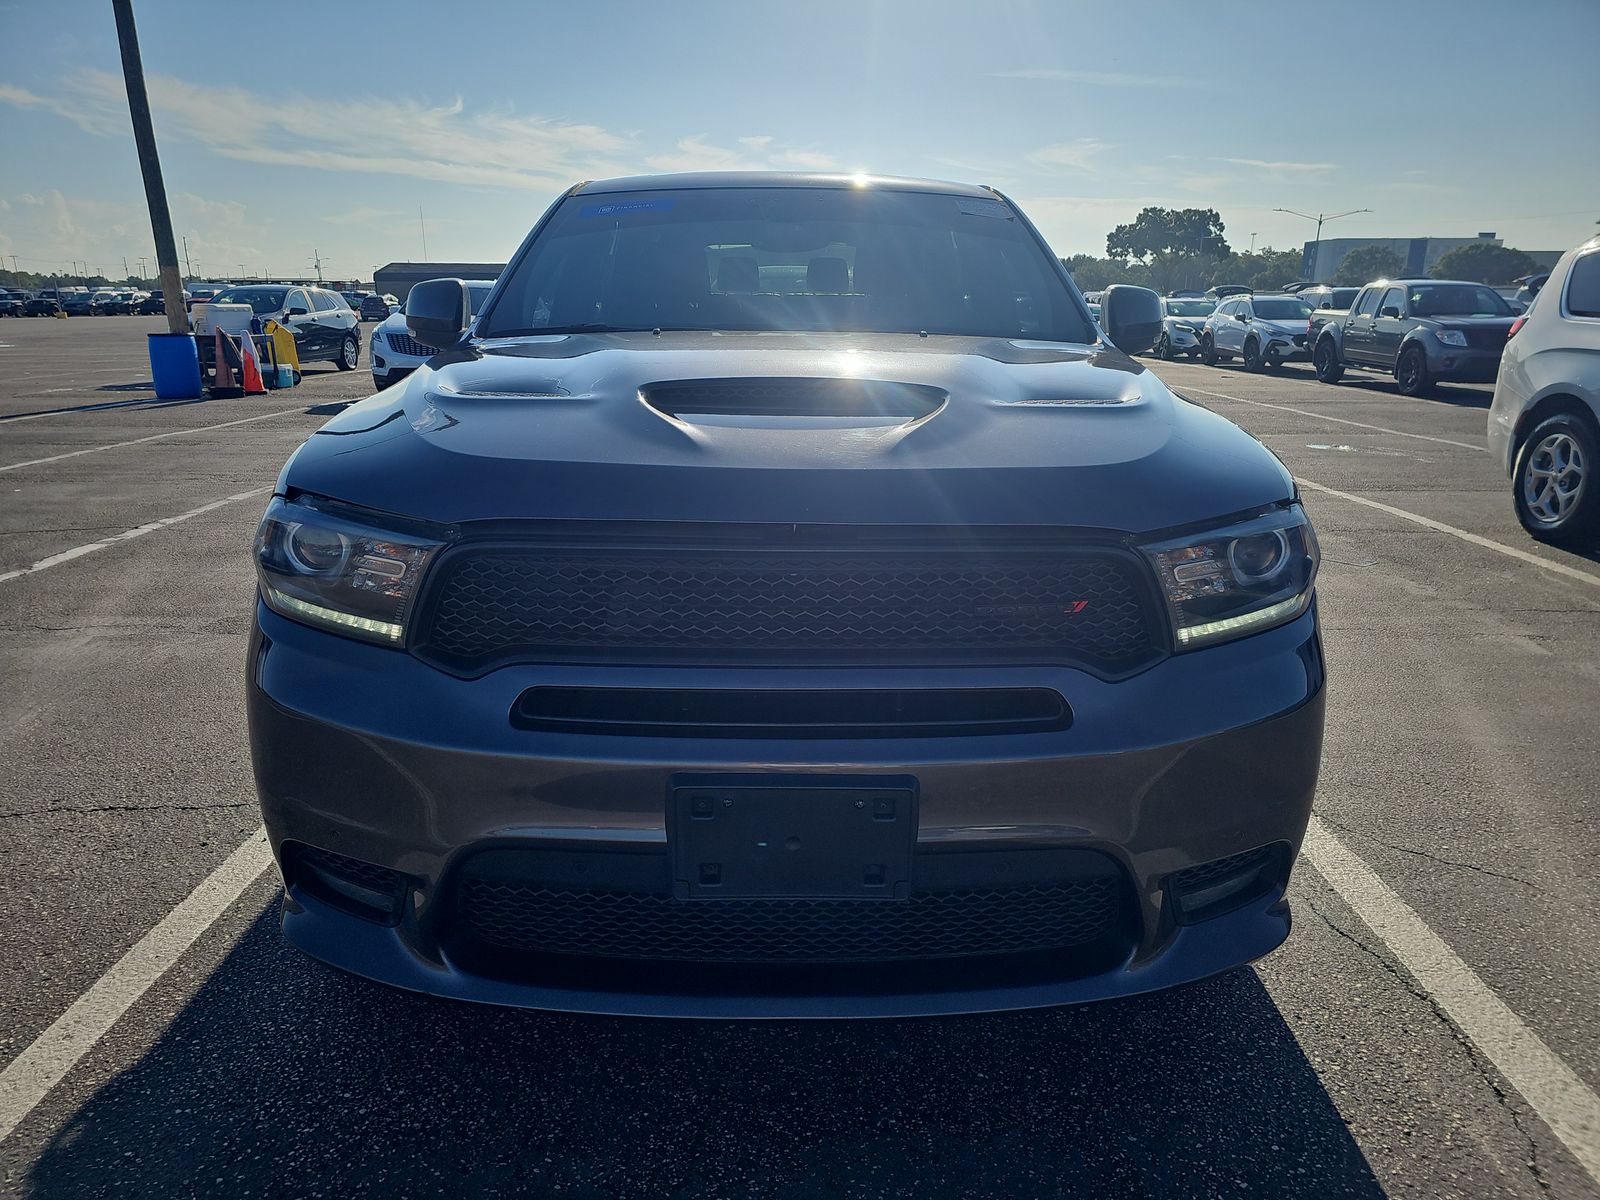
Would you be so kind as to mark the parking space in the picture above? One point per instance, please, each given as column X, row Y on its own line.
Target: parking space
column 1457, row 772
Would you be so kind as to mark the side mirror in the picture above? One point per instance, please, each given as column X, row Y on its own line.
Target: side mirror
column 1131, row 317
column 1388, row 310
column 295, row 312
column 437, row 311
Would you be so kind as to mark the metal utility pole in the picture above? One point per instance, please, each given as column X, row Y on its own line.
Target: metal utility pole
column 155, row 189
column 187, row 269
column 317, row 259
column 1253, row 243
column 1316, row 249
column 142, row 275
column 422, row 222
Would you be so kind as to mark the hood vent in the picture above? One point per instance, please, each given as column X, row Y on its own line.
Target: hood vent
column 868, row 400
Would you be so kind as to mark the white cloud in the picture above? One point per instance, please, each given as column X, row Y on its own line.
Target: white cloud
column 1077, row 155
column 1278, row 167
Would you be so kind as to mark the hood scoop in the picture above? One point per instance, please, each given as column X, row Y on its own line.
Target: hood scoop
column 794, row 403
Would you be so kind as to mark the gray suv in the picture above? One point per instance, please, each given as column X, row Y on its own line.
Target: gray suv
column 781, row 600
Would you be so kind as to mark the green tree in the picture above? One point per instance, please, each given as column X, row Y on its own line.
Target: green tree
column 1366, row 263
column 1093, row 274
column 1484, row 262
column 1265, row 270
column 1176, row 244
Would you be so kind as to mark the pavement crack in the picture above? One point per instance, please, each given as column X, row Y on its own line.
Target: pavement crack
column 1445, row 862
column 113, row 808
column 1475, row 1056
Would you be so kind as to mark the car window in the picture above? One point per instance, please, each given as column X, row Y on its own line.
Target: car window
column 1282, row 309
column 1583, row 286
column 802, row 259
column 477, row 293
column 260, row 299
column 298, row 299
column 1456, row 300
column 1369, row 303
column 1394, row 298
column 1188, row 308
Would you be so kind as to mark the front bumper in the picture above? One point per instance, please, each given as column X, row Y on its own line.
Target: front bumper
column 1463, row 364
column 368, row 753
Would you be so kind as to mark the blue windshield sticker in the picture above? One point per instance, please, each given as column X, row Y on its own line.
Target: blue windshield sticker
column 985, row 208
column 623, row 208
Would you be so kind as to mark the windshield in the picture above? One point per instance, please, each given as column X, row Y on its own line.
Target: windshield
column 262, row 300
column 804, row 259
column 1281, row 310
column 1456, row 300
column 1189, row 308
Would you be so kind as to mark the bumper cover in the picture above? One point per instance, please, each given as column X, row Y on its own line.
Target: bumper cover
column 368, row 753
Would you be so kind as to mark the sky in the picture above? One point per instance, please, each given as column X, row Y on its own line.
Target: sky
column 1446, row 119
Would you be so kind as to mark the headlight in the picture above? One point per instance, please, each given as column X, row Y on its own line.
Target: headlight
column 1451, row 337
column 324, row 569
column 1231, row 582
column 1186, row 328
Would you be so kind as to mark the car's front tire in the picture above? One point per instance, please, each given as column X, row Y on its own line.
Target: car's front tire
column 1164, row 347
column 1208, row 350
column 1252, row 355
column 349, row 354
column 1556, row 485
column 1411, row 373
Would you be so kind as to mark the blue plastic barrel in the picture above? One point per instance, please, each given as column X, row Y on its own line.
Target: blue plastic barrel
column 175, row 366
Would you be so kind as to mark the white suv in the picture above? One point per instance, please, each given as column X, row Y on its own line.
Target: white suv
column 1544, row 424
column 395, row 353
column 1264, row 330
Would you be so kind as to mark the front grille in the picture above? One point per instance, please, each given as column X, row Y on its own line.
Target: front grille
column 1088, row 607
column 404, row 343
column 927, row 926
column 1300, row 339
column 1486, row 339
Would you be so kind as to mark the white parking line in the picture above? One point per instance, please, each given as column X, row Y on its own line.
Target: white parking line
column 1560, row 568
column 1424, row 437
column 55, row 560
column 154, row 437
column 1551, row 1088
column 29, row 1077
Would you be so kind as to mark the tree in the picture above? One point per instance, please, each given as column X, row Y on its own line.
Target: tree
column 1265, row 270
column 1176, row 244
column 1093, row 274
column 1366, row 263
column 1484, row 262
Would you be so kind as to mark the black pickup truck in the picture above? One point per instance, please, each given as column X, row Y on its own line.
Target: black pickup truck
column 1421, row 331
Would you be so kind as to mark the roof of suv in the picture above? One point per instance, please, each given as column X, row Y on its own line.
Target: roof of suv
column 777, row 179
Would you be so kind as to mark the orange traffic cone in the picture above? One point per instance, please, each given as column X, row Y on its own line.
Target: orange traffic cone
column 222, row 383
column 250, row 366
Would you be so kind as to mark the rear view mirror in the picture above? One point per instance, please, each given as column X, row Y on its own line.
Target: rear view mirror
column 1388, row 310
column 295, row 312
column 1131, row 317
column 437, row 311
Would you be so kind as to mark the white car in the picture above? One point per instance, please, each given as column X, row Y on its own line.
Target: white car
column 1181, row 320
column 1265, row 330
column 1544, row 424
column 395, row 353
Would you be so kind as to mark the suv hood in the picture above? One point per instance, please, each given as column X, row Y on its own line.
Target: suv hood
column 393, row 323
column 982, row 431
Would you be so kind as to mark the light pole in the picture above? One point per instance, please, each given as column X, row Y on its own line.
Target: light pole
column 1316, row 250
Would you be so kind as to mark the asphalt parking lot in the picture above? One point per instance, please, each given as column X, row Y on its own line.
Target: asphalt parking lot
column 1458, row 774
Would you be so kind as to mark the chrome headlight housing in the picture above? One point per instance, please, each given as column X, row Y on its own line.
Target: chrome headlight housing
column 1243, row 578
column 323, row 566
column 1451, row 337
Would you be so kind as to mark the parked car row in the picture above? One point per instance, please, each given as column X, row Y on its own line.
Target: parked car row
column 325, row 328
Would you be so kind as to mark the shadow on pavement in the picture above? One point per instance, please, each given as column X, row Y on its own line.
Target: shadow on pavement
column 284, row 1078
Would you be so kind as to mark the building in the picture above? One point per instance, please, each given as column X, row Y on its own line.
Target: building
column 398, row 277
column 1418, row 256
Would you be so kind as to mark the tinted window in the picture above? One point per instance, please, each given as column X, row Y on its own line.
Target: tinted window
column 1340, row 298
column 1369, row 303
column 1188, row 308
column 1394, row 298
column 1583, row 286
column 260, row 299
column 298, row 299
column 1271, row 309
column 477, row 293
column 1456, row 300
column 807, row 259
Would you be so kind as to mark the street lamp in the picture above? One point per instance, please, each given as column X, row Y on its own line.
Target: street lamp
column 1316, row 250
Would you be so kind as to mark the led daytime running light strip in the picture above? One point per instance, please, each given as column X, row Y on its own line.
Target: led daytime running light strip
column 332, row 616
column 1190, row 635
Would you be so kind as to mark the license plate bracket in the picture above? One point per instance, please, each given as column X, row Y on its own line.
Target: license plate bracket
column 807, row 839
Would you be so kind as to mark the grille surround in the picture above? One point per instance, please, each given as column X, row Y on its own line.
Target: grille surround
column 652, row 927
column 486, row 604
column 404, row 343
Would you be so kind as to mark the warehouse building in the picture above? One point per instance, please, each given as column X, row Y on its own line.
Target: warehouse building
column 398, row 278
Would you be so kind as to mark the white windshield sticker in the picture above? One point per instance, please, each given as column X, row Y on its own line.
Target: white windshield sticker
column 984, row 208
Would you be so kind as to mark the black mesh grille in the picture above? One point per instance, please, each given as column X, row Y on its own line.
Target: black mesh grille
column 1080, row 606
column 368, row 875
column 1194, row 878
column 1480, row 338
column 930, row 925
